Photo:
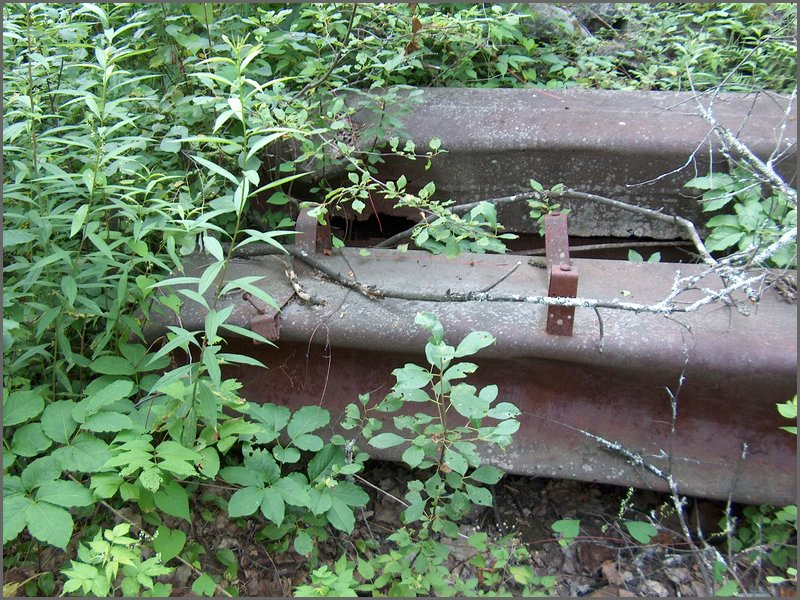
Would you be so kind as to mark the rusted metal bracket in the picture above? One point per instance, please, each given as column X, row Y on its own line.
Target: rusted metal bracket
column 562, row 276
column 267, row 322
column 312, row 238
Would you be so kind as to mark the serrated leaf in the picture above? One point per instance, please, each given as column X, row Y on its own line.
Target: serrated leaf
column 49, row 524
column 272, row 506
column 57, row 421
column 173, row 500
column 64, row 493
column 169, row 543
column 245, row 501
column 21, row 406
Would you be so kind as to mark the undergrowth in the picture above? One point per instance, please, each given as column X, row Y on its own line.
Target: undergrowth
column 137, row 137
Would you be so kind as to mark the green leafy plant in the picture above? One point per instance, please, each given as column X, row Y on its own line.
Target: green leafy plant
column 759, row 215
column 542, row 204
column 111, row 562
column 789, row 411
column 445, row 441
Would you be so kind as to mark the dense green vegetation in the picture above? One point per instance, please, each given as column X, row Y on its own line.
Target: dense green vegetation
column 137, row 134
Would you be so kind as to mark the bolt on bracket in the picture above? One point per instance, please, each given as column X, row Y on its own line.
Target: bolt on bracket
column 562, row 276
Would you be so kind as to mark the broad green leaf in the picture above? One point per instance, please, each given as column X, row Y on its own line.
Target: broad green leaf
column 118, row 390
column 504, row 410
column 479, row 495
column 640, row 531
column 209, row 463
column 112, row 365
column 21, row 406
column 49, row 524
column 57, row 421
column 319, row 500
column 711, row 181
column 294, row 492
column 568, row 530
column 173, row 500
column 242, row 476
column 324, row 460
column 64, row 493
column 15, row 509
column 286, row 455
column 466, row 403
column 40, row 471
column 105, row 485
column 79, row 219
column 245, row 501
column 411, row 377
column 29, row 440
column 413, row 456
column 16, row 237
column 204, row 585
column 272, row 506
column 455, row 461
column 306, row 420
column 386, row 440
column 168, row 542
column 85, row 453
column 341, row 516
column 474, row 342
column 308, row 442
column 107, row 421
column 349, row 493
column 203, row 12
column 303, row 544
column 487, row 474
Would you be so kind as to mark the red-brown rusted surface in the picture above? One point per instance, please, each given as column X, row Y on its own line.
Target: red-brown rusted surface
column 735, row 367
column 563, row 277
